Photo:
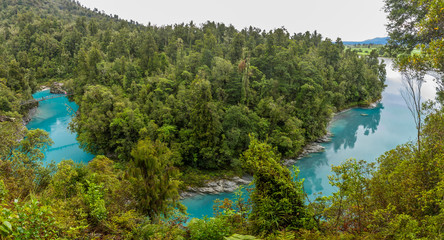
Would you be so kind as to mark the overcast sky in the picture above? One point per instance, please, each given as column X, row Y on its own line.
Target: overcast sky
column 351, row 20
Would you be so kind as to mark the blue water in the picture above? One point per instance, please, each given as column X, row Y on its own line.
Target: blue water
column 54, row 116
column 357, row 136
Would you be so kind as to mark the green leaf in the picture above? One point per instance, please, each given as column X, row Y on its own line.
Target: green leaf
column 8, row 225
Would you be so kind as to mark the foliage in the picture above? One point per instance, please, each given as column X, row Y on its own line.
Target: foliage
column 401, row 198
column 235, row 212
column 417, row 24
column 239, row 237
column 209, row 228
column 167, row 228
column 349, row 207
column 95, row 202
column 277, row 200
column 160, row 231
column 22, row 168
column 28, row 220
column 155, row 178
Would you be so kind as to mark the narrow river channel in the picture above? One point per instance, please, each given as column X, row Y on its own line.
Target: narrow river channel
column 358, row 133
column 54, row 116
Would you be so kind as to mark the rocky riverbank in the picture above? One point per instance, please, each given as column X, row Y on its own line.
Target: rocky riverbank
column 230, row 185
column 313, row 147
column 57, row 88
column 217, row 186
column 33, row 109
column 373, row 105
column 31, row 112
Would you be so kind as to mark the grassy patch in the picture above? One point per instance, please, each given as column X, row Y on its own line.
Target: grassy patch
column 364, row 49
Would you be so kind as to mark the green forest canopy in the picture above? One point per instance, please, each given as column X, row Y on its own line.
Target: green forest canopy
column 200, row 89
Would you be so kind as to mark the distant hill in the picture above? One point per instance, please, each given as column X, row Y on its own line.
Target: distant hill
column 381, row 40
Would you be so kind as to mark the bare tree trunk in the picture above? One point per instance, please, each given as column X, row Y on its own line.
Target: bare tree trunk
column 412, row 81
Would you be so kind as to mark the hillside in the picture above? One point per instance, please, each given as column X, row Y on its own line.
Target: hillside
column 374, row 41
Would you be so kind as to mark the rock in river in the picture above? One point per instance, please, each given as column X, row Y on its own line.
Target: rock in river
column 217, row 186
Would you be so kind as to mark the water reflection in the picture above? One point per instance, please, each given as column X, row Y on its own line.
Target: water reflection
column 368, row 119
column 313, row 182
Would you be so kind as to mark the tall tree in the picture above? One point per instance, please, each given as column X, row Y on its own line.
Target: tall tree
column 155, row 178
column 205, row 122
column 277, row 199
column 412, row 81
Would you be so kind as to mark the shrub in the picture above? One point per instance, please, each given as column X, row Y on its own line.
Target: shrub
column 209, row 228
column 30, row 220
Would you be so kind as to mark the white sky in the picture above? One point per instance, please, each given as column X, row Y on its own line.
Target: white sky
column 351, row 20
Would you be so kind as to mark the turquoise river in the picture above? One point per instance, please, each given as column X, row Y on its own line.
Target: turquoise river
column 358, row 133
column 54, row 116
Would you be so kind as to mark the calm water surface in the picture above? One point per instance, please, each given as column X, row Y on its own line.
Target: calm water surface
column 358, row 133
column 53, row 116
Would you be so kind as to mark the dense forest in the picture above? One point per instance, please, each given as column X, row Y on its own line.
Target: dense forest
column 201, row 90
column 159, row 104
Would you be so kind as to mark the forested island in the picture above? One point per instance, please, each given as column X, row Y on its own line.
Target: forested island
column 166, row 107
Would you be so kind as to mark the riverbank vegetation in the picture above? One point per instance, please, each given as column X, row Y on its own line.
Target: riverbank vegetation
column 157, row 100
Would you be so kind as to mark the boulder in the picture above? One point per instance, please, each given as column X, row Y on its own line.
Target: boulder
column 217, row 186
column 57, row 88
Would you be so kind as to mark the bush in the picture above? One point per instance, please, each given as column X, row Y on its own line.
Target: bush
column 94, row 199
column 30, row 220
column 240, row 237
column 209, row 228
column 165, row 230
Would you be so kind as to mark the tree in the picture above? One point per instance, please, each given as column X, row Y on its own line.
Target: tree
column 403, row 16
column 417, row 24
column 236, row 47
column 10, row 132
column 432, row 28
column 412, row 81
column 244, row 69
column 237, row 123
column 94, row 123
column 154, row 178
column 22, row 168
column 205, row 122
column 277, row 200
column 349, row 209
column 28, row 220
